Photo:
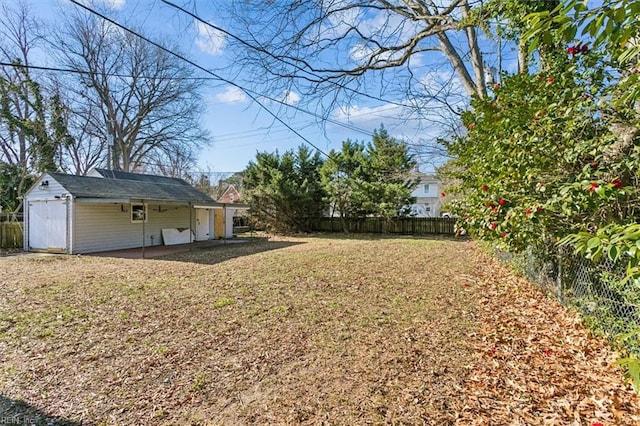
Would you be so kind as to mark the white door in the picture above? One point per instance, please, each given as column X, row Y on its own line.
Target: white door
column 202, row 224
column 48, row 225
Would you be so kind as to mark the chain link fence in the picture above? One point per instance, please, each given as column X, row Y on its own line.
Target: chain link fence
column 608, row 302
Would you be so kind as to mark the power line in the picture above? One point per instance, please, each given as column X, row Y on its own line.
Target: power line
column 87, row 72
column 251, row 46
column 218, row 77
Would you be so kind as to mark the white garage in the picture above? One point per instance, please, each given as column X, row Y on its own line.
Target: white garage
column 48, row 225
column 111, row 210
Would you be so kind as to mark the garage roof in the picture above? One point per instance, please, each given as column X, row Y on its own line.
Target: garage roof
column 132, row 187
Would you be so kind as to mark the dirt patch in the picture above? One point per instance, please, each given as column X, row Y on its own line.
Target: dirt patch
column 300, row 330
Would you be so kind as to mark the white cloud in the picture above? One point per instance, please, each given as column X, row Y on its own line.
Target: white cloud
column 402, row 122
column 114, row 4
column 368, row 117
column 232, row 95
column 360, row 52
column 344, row 19
column 210, row 40
column 111, row 4
column 290, row 97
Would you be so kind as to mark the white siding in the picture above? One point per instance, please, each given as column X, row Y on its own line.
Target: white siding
column 48, row 192
column 43, row 230
column 427, row 203
column 101, row 227
column 48, row 225
column 434, row 189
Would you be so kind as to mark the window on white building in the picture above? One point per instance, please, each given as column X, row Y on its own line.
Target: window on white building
column 138, row 213
column 426, row 188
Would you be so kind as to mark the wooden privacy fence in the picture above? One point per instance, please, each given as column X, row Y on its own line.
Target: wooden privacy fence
column 11, row 234
column 378, row 225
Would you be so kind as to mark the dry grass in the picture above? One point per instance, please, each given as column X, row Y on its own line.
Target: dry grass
column 298, row 330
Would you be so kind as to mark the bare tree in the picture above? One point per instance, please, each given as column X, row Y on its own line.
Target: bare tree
column 319, row 47
column 89, row 147
column 173, row 160
column 425, row 56
column 140, row 102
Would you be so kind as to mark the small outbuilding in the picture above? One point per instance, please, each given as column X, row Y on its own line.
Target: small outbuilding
column 113, row 210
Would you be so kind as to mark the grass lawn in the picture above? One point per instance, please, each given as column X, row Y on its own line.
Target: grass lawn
column 298, row 330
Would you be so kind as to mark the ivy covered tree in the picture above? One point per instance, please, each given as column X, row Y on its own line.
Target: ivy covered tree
column 33, row 124
column 284, row 191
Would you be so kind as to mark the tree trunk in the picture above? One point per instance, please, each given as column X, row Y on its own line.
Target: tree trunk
column 523, row 62
column 458, row 65
column 476, row 55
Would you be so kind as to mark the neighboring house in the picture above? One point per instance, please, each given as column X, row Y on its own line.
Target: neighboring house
column 112, row 210
column 230, row 195
column 427, row 195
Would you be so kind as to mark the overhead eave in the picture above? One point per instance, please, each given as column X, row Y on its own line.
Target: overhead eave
column 89, row 200
column 195, row 204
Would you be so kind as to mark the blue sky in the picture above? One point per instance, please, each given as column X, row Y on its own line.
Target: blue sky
column 238, row 126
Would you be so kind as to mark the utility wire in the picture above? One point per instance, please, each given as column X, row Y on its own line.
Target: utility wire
column 213, row 74
column 86, row 72
column 251, row 46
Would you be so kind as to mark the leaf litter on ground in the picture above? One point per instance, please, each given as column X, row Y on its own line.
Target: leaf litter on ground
column 308, row 330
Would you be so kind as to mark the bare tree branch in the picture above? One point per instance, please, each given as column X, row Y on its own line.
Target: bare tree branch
column 140, row 97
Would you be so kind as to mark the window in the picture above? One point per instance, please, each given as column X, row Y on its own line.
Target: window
column 427, row 209
column 426, row 188
column 138, row 213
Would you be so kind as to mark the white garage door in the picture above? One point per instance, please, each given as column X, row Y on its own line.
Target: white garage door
column 48, row 225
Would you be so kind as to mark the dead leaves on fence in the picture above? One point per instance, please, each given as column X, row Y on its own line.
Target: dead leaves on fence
column 535, row 363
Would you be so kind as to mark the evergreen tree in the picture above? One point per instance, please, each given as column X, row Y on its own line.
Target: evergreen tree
column 284, row 191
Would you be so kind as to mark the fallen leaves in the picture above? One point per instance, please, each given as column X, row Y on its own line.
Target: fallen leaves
column 302, row 331
column 536, row 364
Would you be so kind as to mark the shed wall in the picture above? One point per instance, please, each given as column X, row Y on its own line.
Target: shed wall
column 54, row 193
column 102, row 227
column 49, row 192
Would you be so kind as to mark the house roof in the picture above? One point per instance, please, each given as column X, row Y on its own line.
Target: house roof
column 230, row 195
column 132, row 187
column 420, row 176
column 116, row 174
